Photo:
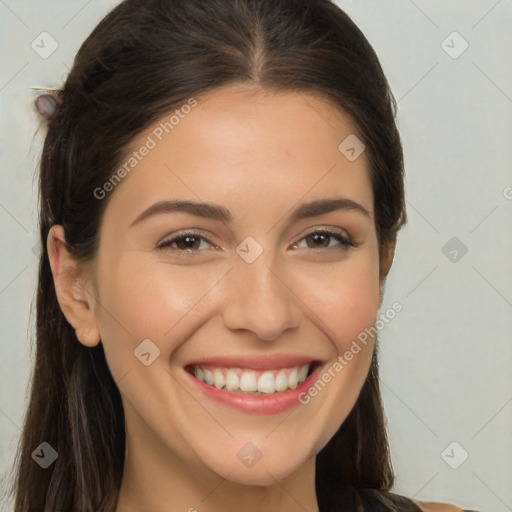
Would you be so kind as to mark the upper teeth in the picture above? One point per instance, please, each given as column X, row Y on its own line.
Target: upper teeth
column 251, row 381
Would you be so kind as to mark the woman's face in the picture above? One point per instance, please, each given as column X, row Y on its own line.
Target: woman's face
column 250, row 285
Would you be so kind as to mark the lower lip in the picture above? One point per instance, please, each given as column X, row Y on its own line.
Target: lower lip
column 258, row 404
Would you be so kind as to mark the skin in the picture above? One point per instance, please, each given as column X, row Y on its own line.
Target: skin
column 259, row 154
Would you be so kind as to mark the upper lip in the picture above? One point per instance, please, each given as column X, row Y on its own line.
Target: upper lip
column 266, row 362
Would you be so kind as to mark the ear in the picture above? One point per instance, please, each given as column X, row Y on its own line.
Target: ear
column 386, row 259
column 74, row 300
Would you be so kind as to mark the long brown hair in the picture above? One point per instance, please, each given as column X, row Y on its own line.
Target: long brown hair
column 145, row 58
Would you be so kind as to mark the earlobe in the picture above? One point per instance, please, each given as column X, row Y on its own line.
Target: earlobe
column 75, row 302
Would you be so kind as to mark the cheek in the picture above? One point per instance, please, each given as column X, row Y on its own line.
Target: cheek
column 346, row 298
column 141, row 298
column 136, row 304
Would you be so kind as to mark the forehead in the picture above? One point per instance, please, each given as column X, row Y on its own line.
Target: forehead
column 245, row 145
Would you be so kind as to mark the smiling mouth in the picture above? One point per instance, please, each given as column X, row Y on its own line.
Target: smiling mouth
column 253, row 382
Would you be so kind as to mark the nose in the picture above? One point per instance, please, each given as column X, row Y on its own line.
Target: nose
column 260, row 300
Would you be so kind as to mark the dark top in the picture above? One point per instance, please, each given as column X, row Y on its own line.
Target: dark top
column 348, row 499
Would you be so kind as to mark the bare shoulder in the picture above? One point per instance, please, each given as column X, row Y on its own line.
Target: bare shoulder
column 429, row 506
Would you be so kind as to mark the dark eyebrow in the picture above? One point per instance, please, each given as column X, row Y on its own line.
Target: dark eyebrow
column 210, row 211
column 216, row 212
column 326, row 206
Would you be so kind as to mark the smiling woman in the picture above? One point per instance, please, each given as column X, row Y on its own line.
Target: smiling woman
column 187, row 308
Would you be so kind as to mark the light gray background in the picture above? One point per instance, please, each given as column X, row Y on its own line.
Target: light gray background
column 446, row 358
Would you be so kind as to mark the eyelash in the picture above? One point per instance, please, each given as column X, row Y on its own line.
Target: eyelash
column 345, row 243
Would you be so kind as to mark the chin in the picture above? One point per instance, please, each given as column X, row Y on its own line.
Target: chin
column 273, row 465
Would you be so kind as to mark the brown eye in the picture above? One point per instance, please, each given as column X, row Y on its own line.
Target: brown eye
column 185, row 243
column 188, row 243
column 322, row 240
column 319, row 240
